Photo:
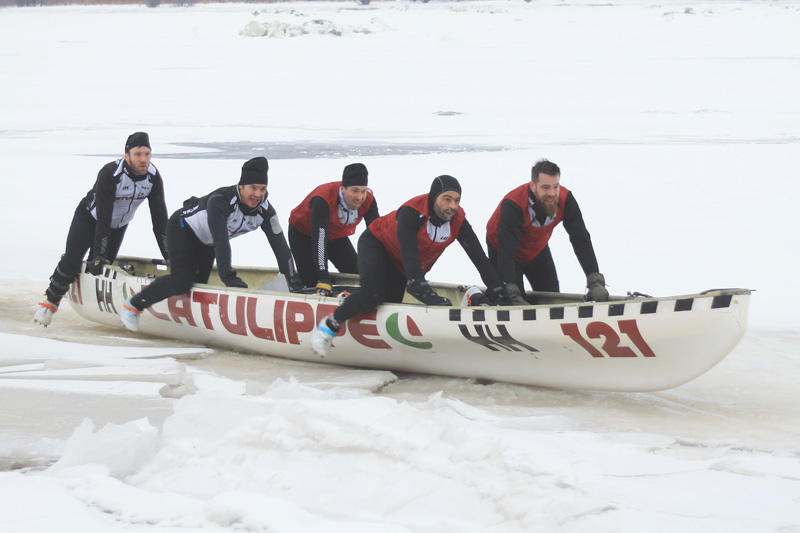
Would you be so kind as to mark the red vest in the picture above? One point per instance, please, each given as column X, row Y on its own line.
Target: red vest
column 533, row 238
column 300, row 217
column 385, row 230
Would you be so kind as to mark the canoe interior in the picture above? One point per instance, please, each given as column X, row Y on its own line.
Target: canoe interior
column 258, row 278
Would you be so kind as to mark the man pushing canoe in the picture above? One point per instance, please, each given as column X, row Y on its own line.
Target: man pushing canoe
column 397, row 250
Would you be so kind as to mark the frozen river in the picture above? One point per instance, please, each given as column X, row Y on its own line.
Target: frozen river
column 676, row 127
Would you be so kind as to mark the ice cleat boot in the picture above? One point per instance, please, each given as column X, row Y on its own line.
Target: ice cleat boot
column 323, row 335
column 44, row 315
column 130, row 316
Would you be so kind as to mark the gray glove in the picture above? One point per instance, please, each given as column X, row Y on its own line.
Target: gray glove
column 596, row 285
column 514, row 295
column 497, row 296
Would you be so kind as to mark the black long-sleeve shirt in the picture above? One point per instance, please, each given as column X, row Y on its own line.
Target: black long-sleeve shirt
column 219, row 216
column 409, row 220
column 115, row 197
column 320, row 215
column 509, row 231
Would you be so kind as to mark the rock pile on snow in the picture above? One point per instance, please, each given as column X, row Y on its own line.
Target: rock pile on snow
column 279, row 29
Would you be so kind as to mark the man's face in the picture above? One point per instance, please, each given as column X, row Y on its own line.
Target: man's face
column 446, row 205
column 252, row 194
column 138, row 159
column 546, row 192
column 354, row 195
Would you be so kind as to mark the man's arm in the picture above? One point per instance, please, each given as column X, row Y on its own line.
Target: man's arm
column 372, row 212
column 409, row 221
column 218, row 209
column 158, row 214
column 105, row 193
column 509, row 233
column 472, row 245
column 320, row 214
column 277, row 241
column 579, row 235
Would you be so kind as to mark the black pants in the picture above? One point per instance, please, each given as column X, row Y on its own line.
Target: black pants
column 340, row 252
column 80, row 239
column 190, row 260
column 540, row 271
column 381, row 280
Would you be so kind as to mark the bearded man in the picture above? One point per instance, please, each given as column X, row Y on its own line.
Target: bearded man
column 519, row 229
column 102, row 217
column 397, row 250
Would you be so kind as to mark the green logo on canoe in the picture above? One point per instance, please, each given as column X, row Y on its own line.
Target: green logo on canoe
column 393, row 329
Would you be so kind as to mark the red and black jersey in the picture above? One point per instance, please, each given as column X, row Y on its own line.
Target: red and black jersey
column 534, row 237
column 432, row 240
column 338, row 225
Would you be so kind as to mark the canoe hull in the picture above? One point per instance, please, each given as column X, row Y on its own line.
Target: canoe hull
column 640, row 344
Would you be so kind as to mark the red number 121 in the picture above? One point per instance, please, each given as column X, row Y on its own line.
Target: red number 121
column 596, row 330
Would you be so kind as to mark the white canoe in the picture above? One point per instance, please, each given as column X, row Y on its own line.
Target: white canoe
column 627, row 344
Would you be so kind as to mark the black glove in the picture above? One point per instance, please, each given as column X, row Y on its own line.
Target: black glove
column 596, row 285
column 230, row 279
column 514, row 295
column 96, row 265
column 234, row 281
column 497, row 296
column 295, row 285
column 420, row 290
column 324, row 287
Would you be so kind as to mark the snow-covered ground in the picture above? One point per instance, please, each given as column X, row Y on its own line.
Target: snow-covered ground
column 676, row 125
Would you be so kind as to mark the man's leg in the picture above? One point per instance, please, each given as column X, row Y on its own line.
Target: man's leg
column 375, row 268
column 187, row 259
column 205, row 262
column 379, row 281
column 115, row 242
column 514, row 293
column 541, row 272
column 79, row 239
column 303, row 258
column 343, row 256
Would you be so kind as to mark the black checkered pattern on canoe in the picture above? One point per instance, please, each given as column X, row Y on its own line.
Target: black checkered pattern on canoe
column 587, row 311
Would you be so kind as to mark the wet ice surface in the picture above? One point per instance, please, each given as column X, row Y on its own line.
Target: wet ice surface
column 278, row 150
column 127, row 431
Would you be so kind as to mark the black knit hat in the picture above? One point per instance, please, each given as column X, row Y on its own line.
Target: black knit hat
column 355, row 174
column 442, row 184
column 254, row 171
column 139, row 138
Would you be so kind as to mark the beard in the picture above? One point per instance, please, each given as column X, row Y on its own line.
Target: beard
column 547, row 209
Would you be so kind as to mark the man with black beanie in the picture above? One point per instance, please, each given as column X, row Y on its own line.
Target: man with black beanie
column 321, row 226
column 200, row 233
column 398, row 249
column 101, row 218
